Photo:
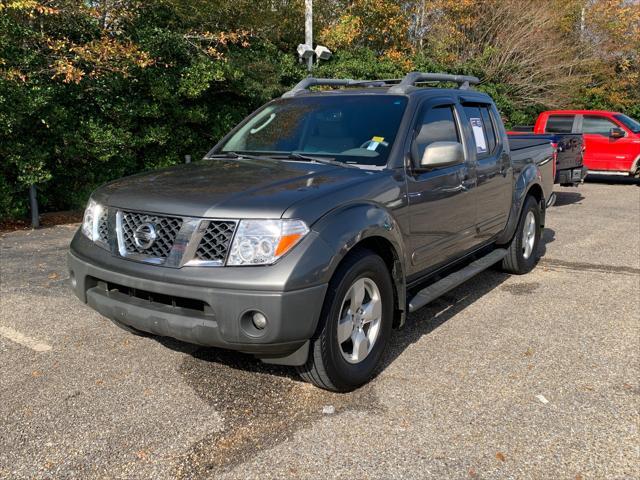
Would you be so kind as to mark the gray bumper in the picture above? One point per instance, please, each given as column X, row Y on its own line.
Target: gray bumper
column 203, row 315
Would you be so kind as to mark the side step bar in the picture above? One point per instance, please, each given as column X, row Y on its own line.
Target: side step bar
column 451, row 281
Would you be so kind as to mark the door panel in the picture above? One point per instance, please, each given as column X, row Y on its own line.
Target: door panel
column 441, row 200
column 493, row 171
column 602, row 151
column 442, row 215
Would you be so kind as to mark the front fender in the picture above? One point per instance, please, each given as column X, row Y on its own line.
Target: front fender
column 348, row 226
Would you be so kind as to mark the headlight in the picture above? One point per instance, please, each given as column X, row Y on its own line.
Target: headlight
column 90, row 222
column 262, row 242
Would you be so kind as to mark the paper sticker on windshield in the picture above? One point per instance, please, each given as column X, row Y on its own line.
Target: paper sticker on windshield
column 478, row 134
column 375, row 141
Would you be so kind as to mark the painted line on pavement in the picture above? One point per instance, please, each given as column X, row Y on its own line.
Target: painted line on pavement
column 25, row 341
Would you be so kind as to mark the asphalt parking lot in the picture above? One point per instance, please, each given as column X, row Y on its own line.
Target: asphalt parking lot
column 535, row 376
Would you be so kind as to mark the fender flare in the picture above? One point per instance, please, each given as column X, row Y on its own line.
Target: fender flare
column 635, row 166
column 350, row 225
column 528, row 179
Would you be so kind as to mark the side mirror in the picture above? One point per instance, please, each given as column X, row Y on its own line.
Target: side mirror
column 616, row 132
column 442, row 154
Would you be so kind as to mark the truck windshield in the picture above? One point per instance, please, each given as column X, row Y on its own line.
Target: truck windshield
column 629, row 122
column 355, row 129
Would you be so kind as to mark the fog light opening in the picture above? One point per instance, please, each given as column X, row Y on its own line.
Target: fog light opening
column 259, row 320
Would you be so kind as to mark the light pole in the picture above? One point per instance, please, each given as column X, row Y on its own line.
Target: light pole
column 308, row 30
column 306, row 51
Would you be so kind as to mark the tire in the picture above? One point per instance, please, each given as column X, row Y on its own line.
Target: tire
column 522, row 256
column 342, row 367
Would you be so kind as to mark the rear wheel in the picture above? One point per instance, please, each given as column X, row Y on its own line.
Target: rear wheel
column 355, row 325
column 522, row 253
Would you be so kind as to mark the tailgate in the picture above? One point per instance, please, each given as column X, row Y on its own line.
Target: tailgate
column 570, row 151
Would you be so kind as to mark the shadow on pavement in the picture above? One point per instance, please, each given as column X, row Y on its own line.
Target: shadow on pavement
column 548, row 236
column 418, row 324
column 263, row 405
column 567, row 198
column 613, row 180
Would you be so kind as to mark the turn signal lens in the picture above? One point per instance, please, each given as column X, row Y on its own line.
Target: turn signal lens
column 262, row 242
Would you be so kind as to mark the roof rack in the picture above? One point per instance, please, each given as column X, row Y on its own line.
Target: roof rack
column 395, row 85
column 464, row 81
column 308, row 82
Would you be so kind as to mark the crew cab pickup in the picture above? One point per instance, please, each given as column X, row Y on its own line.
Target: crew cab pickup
column 315, row 226
column 611, row 140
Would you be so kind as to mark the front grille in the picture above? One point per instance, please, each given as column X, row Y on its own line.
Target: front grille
column 167, row 229
column 103, row 226
column 216, row 241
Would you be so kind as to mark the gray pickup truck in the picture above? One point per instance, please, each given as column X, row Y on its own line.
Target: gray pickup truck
column 313, row 228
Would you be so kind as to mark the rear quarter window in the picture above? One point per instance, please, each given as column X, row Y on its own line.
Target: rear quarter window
column 560, row 124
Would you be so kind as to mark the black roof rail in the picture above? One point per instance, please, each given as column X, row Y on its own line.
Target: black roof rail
column 410, row 80
column 308, row 82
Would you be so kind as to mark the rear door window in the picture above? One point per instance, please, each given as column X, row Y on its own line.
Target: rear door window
column 560, row 124
column 597, row 125
column 482, row 128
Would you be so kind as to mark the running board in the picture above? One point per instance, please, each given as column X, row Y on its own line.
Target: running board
column 450, row 282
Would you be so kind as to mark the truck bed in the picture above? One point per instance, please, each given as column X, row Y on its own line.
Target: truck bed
column 537, row 149
column 569, row 168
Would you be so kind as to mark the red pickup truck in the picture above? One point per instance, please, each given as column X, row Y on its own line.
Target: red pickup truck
column 611, row 140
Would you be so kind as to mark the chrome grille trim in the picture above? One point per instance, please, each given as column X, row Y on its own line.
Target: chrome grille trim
column 194, row 235
column 215, row 243
column 166, row 228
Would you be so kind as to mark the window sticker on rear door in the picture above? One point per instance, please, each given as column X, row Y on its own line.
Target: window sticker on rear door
column 478, row 134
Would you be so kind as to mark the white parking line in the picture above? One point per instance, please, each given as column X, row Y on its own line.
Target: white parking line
column 17, row 337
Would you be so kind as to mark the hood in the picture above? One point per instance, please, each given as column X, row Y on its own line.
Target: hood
column 228, row 188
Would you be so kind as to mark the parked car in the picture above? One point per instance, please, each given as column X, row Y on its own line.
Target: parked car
column 612, row 140
column 317, row 224
column 569, row 157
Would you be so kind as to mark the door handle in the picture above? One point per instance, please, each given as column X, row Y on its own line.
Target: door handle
column 460, row 188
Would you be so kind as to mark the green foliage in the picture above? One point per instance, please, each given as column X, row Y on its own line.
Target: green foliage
column 92, row 91
column 69, row 136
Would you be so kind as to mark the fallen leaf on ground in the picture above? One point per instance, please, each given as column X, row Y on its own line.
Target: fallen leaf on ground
column 500, row 456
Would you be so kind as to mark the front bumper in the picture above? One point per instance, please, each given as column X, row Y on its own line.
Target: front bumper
column 203, row 315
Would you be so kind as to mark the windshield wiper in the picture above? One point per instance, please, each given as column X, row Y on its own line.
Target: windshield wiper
column 312, row 158
column 288, row 156
column 237, row 155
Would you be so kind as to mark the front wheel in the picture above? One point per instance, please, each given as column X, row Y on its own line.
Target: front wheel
column 522, row 253
column 355, row 325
